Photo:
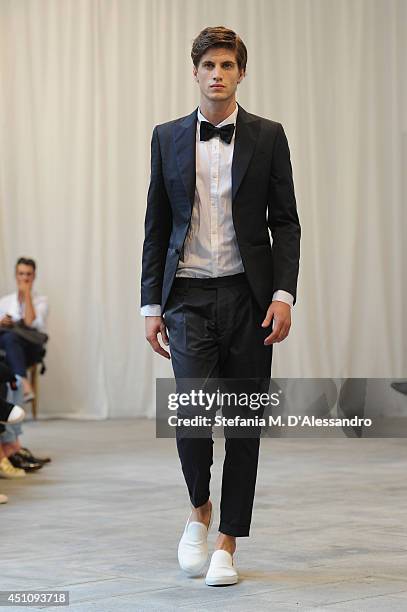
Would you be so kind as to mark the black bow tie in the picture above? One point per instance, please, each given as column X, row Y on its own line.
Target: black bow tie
column 225, row 132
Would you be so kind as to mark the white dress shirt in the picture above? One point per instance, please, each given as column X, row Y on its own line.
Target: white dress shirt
column 9, row 304
column 210, row 247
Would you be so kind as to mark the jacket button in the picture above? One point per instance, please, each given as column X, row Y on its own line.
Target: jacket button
column 177, row 251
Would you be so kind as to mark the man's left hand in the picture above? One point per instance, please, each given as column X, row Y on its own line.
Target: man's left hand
column 280, row 314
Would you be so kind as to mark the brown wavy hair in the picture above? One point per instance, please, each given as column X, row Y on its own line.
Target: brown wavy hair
column 219, row 37
column 27, row 262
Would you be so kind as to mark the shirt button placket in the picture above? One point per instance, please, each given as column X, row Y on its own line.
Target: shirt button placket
column 215, row 204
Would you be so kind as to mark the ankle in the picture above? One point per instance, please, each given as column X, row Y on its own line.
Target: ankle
column 226, row 542
column 25, row 383
column 204, row 509
column 202, row 513
column 8, row 449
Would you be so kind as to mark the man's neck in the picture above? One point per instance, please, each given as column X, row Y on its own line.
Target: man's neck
column 216, row 112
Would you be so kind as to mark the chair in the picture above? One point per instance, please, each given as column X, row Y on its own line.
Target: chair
column 33, row 377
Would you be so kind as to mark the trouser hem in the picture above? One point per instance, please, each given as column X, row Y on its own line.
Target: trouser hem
column 239, row 531
column 199, row 502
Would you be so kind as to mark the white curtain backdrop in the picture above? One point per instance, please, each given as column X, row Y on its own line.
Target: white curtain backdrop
column 83, row 82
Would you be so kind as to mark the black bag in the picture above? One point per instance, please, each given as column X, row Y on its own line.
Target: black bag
column 28, row 333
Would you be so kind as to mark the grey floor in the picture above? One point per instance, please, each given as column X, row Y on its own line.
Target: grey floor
column 103, row 521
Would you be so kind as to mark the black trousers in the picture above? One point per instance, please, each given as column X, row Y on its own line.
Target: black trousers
column 215, row 332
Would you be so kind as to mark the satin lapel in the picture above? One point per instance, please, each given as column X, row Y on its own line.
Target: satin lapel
column 247, row 132
column 185, row 144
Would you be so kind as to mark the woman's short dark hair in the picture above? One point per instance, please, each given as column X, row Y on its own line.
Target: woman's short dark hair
column 26, row 261
column 219, row 37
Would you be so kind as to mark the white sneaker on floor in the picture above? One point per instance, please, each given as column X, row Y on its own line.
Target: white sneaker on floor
column 16, row 415
column 193, row 547
column 221, row 570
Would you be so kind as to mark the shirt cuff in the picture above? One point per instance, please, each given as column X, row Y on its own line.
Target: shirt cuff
column 283, row 296
column 151, row 310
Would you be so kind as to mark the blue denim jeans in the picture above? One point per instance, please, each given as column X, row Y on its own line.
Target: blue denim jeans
column 19, row 352
column 11, row 434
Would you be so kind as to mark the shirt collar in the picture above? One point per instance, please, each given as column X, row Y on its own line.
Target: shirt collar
column 230, row 119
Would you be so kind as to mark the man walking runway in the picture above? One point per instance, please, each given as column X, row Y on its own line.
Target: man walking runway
column 221, row 179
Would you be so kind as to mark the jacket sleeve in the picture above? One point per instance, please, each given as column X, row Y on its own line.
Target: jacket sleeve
column 283, row 219
column 157, row 229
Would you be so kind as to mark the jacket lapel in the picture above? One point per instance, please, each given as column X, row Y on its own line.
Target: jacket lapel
column 185, row 145
column 247, row 133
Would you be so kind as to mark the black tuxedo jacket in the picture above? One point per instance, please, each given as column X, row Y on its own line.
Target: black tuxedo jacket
column 262, row 199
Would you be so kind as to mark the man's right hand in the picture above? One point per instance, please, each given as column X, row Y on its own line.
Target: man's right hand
column 155, row 326
column 6, row 321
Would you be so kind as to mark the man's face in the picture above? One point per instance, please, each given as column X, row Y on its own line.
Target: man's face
column 25, row 275
column 218, row 74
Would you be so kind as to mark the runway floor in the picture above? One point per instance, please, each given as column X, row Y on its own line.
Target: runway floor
column 104, row 518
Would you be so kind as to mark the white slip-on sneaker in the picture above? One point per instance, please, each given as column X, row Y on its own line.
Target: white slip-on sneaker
column 221, row 570
column 14, row 415
column 193, row 547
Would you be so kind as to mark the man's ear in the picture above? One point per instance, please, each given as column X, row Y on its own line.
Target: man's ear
column 241, row 76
